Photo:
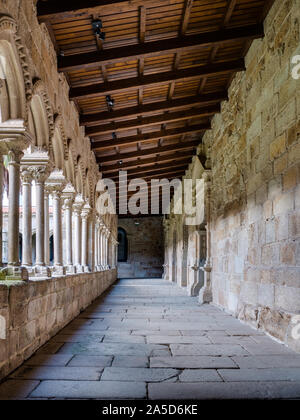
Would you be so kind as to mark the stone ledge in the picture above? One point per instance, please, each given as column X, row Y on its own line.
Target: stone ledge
column 35, row 311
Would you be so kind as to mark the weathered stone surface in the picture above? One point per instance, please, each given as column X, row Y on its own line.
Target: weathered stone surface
column 90, row 361
column 200, row 375
column 33, row 319
column 58, row 373
column 208, row 350
column 221, row 390
column 83, row 369
column 105, row 390
column 245, row 375
column 203, row 362
column 138, row 374
column 253, row 151
column 130, row 361
column 15, row 389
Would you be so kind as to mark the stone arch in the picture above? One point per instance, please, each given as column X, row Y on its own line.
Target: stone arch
column 14, row 75
column 41, row 116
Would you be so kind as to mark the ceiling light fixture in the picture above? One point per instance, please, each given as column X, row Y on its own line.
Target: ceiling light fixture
column 110, row 102
column 97, row 28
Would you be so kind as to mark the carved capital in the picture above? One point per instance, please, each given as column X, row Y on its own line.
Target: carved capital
column 26, row 175
column 40, row 173
column 14, row 156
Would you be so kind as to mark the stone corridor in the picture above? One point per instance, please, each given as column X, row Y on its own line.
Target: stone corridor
column 145, row 339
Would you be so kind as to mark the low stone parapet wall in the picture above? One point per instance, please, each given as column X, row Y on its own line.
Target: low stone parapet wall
column 31, row 313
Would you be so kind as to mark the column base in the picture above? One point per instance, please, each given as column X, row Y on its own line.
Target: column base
column 205, row 295
column 58, row 270
column 70, row 269
column 79, row 269
column 14, row 273
column 41, row 271
column 86, row 269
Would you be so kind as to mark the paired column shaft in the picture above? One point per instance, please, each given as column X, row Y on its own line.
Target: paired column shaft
column 1, row 200
column 57, row 229
column 13, row 209
column 26, row 176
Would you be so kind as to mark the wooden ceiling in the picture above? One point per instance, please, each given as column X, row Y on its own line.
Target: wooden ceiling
column 166, row 64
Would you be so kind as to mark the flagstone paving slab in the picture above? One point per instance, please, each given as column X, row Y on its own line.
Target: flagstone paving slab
column 146, row 338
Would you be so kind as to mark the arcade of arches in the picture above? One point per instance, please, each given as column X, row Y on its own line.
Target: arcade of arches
column 59, row 250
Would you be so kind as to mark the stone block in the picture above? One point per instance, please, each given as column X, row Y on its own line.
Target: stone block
column 90, row 389
column 278, row 147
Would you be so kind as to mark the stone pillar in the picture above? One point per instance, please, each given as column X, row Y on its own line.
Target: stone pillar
column 46, row 227
column 96, row 245
column 107, row 249
column 14, row 271
column 26, row 176
column 101, row 246
column 58, row 268
column 1, row 210
column 55, row 184
column 77, row 206
column 40, row 175
column 205, row 294
column 84, row 237
column 14, row 138
column 68, row 198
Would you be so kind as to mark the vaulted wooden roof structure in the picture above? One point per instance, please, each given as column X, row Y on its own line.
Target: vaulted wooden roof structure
column 148, row 76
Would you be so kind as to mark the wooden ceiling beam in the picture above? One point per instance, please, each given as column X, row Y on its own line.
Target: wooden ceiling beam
column 136, row 111
column 148, row 121
column 159, row 173
column 175, row 157
column 54, row 10
column 107, row 144
column 148, row 152
column 150, row 170
column 150, row 49
column 117, row 86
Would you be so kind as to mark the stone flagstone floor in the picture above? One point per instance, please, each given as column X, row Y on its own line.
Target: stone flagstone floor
column 145, row 339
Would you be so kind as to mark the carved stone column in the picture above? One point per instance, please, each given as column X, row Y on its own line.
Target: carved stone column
column 68, row 199
column 77, row 207
column 1, row 209
column 84, row 237
column 96, row 245
column 205, row 294
column 13, row 140
column 46, row 227
column 40, row 174
column 56, row 183
column 26, row 177
column 107, row 249
column 101, row 245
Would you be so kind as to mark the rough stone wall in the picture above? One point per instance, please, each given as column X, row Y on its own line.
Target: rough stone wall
column 254, row 147
column 36, row 311
column 145, row 247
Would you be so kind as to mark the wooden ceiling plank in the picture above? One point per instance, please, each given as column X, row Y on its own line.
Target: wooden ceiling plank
column 107, row 144
column 151, row 174
column 148, row 121
column 121, row 54
column 175, row 157
column 199, row 100
column 56, row 10
column 150, row 169
column 123, row 85
column 149, row 152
